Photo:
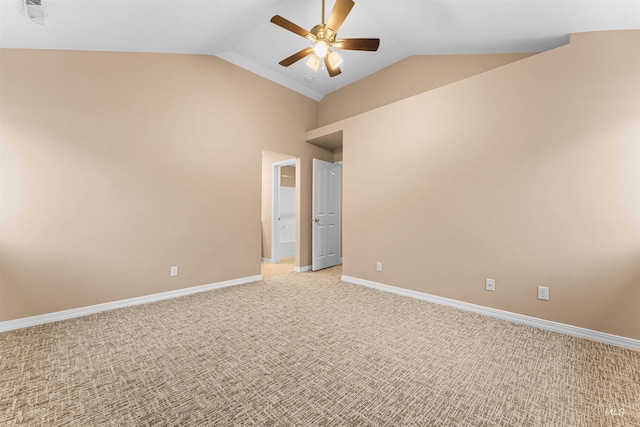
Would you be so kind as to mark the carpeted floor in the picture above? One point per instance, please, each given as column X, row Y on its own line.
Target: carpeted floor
column 304, row 349
column 286, row 265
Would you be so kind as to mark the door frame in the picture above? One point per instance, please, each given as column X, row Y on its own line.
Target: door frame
column 275, row 206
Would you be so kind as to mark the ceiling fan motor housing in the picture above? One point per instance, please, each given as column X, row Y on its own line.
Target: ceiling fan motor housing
column 321, row 32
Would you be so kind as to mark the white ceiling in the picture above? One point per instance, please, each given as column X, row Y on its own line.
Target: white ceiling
column 239, row 31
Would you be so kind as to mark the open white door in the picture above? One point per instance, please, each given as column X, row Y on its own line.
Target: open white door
column 326, row 215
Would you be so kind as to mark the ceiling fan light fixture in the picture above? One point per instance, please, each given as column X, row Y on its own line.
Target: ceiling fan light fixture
column 313, row 62
column 323, row 38
column 334, row 59
column 321, row 48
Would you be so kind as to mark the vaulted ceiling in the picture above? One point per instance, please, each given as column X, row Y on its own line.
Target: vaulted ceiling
column 239, row 31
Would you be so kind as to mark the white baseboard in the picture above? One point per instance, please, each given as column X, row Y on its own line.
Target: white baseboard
column 269, row 260
column 308, row 268
column 26, row 322
column 547, row 325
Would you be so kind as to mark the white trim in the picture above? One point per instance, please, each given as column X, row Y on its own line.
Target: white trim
column 269, row 260
column 339, row 162
column 302, row 269
column 275, row 77
column 547, row 325
column 287, row 254
column 26, row 322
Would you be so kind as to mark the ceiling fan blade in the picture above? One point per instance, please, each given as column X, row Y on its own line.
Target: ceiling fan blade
column 290, row 26
column 370, row 45
column 339, row 13
column 332, row 71
column 296, row 57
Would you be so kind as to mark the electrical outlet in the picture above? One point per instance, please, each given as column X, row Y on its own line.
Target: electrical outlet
column 543, row 293
column 490, row 284
column 378, row 266
column 174, row 271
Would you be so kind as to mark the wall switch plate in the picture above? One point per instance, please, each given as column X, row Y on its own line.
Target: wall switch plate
column 490, row 284
column 543, row 293
column 378, row 266
column 174, row 271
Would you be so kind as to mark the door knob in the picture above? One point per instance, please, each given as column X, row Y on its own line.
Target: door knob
column 317, row 219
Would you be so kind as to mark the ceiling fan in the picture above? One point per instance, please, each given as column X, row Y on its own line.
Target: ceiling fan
column 323, row 39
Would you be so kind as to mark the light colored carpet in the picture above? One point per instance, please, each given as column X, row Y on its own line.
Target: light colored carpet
column 286, row 265
column 304, row 349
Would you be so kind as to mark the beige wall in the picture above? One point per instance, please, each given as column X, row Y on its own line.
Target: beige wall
column 337, row 157
column 529, row 174
column 411, row 76
column 288, row 176
column 116, row 166
column 337, row 154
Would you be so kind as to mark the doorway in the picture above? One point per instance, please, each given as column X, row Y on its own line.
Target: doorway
column 279, row 217
column 283, row 214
